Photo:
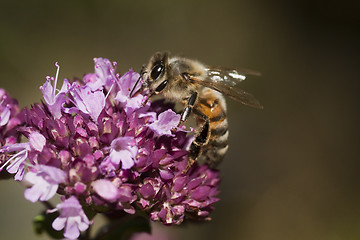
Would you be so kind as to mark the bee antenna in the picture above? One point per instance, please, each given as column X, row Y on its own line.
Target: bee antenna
column 142, row 72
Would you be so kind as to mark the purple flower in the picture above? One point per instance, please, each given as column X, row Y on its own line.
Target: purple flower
column 123, row 150
column 37, row 141
column 192, row 194
column 45, row 182
column 106, row 189
column 86, row 101
column 10, row 119
column 167, row 121
column 55, row 101
column 104, row 75
column 5, row 115
column 94, row 143
column 126, row 84
column 72, row 218
column 16, row 161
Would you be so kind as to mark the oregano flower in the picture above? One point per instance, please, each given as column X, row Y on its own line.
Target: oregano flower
column 105, row 151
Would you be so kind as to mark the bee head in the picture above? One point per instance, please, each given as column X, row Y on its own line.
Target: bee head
column 155, row 71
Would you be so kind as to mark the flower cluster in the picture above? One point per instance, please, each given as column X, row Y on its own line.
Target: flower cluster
column 10, row 120
column 92, row 143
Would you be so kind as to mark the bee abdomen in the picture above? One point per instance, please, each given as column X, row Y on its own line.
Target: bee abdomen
column 213, row 106
column 217, row 146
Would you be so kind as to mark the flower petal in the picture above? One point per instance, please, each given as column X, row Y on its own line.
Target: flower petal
column 71, row 229
column 59, row 223
column 167, row 121
column 37, row 141
column 105, row 189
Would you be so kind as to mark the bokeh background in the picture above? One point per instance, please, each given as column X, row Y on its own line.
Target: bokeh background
column 292, row 171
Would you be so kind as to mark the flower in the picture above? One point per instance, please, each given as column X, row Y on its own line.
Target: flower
column 104, row 75
column 196, row 191
column 45, row 182
column 126, row 84
column 166, row 121
column 55, row 101
column 10, row 119
column 37, row 141
column 106, row 189
column 86, row 101
column 16, row 161
column 102, row 149
column 5, row 115
column 72, row 218
column 123, row 150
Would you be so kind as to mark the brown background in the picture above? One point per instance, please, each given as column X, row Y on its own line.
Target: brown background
column 292, row 169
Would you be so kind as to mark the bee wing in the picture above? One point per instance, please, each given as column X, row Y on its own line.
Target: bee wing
column 228, row 76
column 227, row 87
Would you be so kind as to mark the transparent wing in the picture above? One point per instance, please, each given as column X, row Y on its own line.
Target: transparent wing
column 225, row 81
column 228, row 76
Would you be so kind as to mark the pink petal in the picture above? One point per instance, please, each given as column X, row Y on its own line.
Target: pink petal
column 37, row 141
column 166, row 174
column 20, row 173
column 5, row 116
column 127, row 161
column 51, row 191
column 71, row 229
column 59, row 223
column 105, row 189
column 167, row 120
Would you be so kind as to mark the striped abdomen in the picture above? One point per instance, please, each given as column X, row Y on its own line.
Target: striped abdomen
column 212, row 104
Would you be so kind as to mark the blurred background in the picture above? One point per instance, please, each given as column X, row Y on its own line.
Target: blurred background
column 292, row 168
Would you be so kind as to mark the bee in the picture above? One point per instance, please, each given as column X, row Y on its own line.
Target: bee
column 200, row 89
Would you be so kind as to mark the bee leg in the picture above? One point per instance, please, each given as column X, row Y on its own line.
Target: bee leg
column 142, row 72
column 196, row 146
column 187, row 111
column 157, row 91
column 161, row 86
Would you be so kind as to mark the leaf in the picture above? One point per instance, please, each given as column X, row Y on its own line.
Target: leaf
column 123, row 228
column 42, row 223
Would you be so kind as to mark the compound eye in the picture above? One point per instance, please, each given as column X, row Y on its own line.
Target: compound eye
column 157, row 71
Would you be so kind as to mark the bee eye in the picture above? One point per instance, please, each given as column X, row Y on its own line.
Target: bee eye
column 157, row 70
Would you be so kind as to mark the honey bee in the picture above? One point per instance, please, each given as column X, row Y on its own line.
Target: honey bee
column 200, row 88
